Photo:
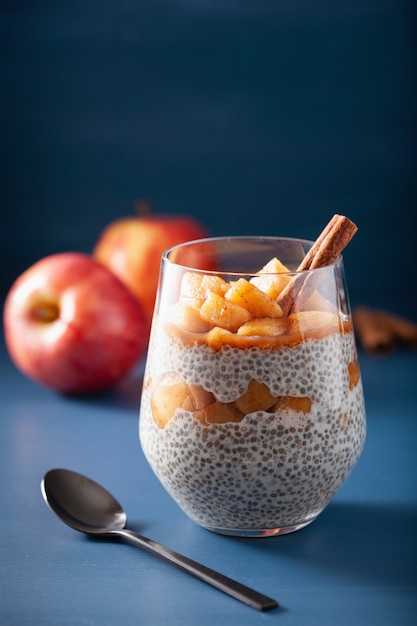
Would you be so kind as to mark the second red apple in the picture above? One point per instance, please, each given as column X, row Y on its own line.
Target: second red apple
column 131, row 247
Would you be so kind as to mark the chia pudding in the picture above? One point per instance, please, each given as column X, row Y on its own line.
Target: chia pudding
column 271, row 469
column 251, row 434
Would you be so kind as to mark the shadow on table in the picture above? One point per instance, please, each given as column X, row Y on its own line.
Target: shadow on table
column 125, row 396
column 372, row 543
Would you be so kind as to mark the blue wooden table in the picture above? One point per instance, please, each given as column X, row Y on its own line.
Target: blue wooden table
column 356, row 564
column 258, row 117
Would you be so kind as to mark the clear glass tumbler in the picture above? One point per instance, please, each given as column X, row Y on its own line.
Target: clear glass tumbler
column 251, row 416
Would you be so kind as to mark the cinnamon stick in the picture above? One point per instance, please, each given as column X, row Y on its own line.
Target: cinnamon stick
column 334, row 242
column 379, row 331
column 324, row 251
column 306, row 262
column 404, row 330
column 372, row 335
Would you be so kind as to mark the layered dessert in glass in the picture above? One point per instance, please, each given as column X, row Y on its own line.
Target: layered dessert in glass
column 252, row 412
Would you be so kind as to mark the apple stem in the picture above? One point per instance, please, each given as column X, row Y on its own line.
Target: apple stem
column 143, row 208
column 45, row 312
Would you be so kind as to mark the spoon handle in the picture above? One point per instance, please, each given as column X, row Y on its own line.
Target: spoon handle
column 235, row 589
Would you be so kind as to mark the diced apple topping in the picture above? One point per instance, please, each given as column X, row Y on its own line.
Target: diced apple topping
column 272, row 278
column 201, row 398
column 218, row 337
column 295, row 403
column 173, row 393
column 188, row 404
column 257, row 397
column 170, row 394
column 310, row 321
column 188, row 316
column 354, row 374
column 317, row 302
column 198, row 286
column 245, row 313
column 219, row 413
column 263, row 327
column 218, row 311
column 248, row 296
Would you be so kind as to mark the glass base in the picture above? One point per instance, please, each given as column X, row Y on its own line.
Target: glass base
column 263, row 532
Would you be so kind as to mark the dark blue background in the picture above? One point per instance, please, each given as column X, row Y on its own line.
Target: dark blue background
column 256, row 116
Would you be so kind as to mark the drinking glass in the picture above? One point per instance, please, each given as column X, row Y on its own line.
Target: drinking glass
column 251, row 417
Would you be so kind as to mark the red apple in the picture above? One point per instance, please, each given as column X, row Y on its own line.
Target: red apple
column 132, row 247
column 71, row 325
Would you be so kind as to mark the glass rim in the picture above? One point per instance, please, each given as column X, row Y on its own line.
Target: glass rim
column 225, row 238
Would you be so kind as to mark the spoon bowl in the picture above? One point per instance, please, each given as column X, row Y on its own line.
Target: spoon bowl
column 82, row 503
column 86, row 506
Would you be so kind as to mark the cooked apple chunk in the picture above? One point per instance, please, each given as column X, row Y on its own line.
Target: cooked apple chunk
column 257, row 397
column 263, row 327
column 187, row 316
column 198, row 286
column 315, row 302
column 168, row 396
column 201, row 398
column 311, row 321
column 354, row 373
column 219, row 413
column 295, row 403
column 218, row 337
column 258, row 303
column 272, row 278
column 218, row 311
column 188, row 404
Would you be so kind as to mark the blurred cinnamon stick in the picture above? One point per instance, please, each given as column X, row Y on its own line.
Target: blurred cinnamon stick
column 380, row 331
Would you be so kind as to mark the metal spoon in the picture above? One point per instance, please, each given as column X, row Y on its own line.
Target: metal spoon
column 87, row 507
